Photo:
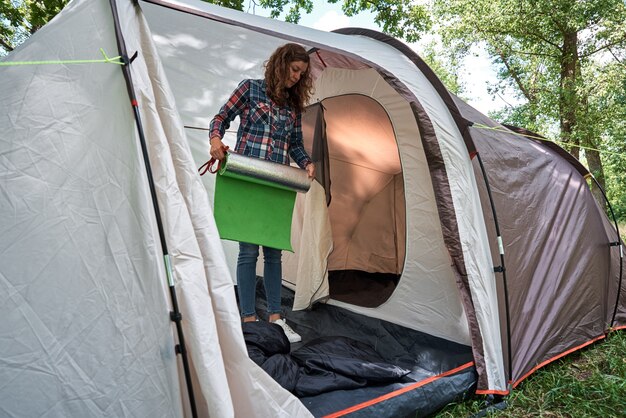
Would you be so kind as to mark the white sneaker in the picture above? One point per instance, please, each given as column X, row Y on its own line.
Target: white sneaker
column 292, row 336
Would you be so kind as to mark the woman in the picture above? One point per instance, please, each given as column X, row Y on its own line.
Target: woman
column 270, row 112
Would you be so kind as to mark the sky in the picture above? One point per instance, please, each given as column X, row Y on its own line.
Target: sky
column 477, row 71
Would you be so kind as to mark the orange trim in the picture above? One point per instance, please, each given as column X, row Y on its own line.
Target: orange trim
column 616, row 328
column 534, row 369
column 397, row 392
column 492, row 392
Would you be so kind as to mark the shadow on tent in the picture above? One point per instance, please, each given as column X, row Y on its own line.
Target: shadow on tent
column 441, row 371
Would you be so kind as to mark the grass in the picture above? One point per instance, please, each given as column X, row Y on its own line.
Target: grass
column 589, row 383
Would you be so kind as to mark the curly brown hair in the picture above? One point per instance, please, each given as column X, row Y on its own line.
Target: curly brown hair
column 277, row 72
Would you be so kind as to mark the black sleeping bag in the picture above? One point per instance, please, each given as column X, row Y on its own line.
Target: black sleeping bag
column 283, row 369
column 331, row 363
column 256, row 354
column 270, row 338
column 321, row 365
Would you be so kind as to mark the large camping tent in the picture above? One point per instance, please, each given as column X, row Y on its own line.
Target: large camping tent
column 91, row 243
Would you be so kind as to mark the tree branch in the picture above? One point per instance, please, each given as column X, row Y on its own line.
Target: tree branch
column 7, row 46
column 514, row 75
column 535, row 34
column 606, row 46
column 532, row 54
column 528, row 34
column 615, row 56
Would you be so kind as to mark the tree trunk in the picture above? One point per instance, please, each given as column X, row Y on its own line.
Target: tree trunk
column 596, row 168
column 568, row 100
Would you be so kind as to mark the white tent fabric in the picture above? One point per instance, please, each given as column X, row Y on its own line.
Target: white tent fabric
column 74, row 171
column 309, row 274
column 212, row 319
column 86, row 329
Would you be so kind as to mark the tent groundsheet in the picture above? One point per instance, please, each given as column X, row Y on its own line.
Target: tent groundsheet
column 441, row 371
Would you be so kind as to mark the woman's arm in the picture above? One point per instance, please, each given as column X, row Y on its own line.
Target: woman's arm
column 296, row 147
column 227, row 113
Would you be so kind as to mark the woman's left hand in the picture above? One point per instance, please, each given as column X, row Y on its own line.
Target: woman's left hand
column 310, row 170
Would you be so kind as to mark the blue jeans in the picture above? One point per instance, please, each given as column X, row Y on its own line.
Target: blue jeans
column 246, row 278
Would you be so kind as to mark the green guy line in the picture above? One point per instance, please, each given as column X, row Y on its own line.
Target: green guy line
column 115, row 60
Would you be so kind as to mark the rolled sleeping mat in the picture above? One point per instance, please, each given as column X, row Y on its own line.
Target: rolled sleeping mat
column 254, row 200
column 265, row 172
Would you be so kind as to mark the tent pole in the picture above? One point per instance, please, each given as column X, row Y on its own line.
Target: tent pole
column 617, row 243
column 175, row 314
column 501, row 268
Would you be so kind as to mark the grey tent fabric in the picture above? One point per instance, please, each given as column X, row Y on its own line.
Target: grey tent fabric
column 562, row 238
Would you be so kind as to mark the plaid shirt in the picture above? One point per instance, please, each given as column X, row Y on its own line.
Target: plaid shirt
column 267, row 130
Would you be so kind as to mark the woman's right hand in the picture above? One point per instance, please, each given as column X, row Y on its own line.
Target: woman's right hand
column 310, row 170
column 218, row 149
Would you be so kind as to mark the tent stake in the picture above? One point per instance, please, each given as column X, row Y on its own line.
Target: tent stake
column 492, row 405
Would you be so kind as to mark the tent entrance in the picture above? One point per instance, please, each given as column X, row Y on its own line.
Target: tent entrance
column 367, row 205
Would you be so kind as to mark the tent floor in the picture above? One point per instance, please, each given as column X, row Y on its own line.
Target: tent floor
column 441, row 371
